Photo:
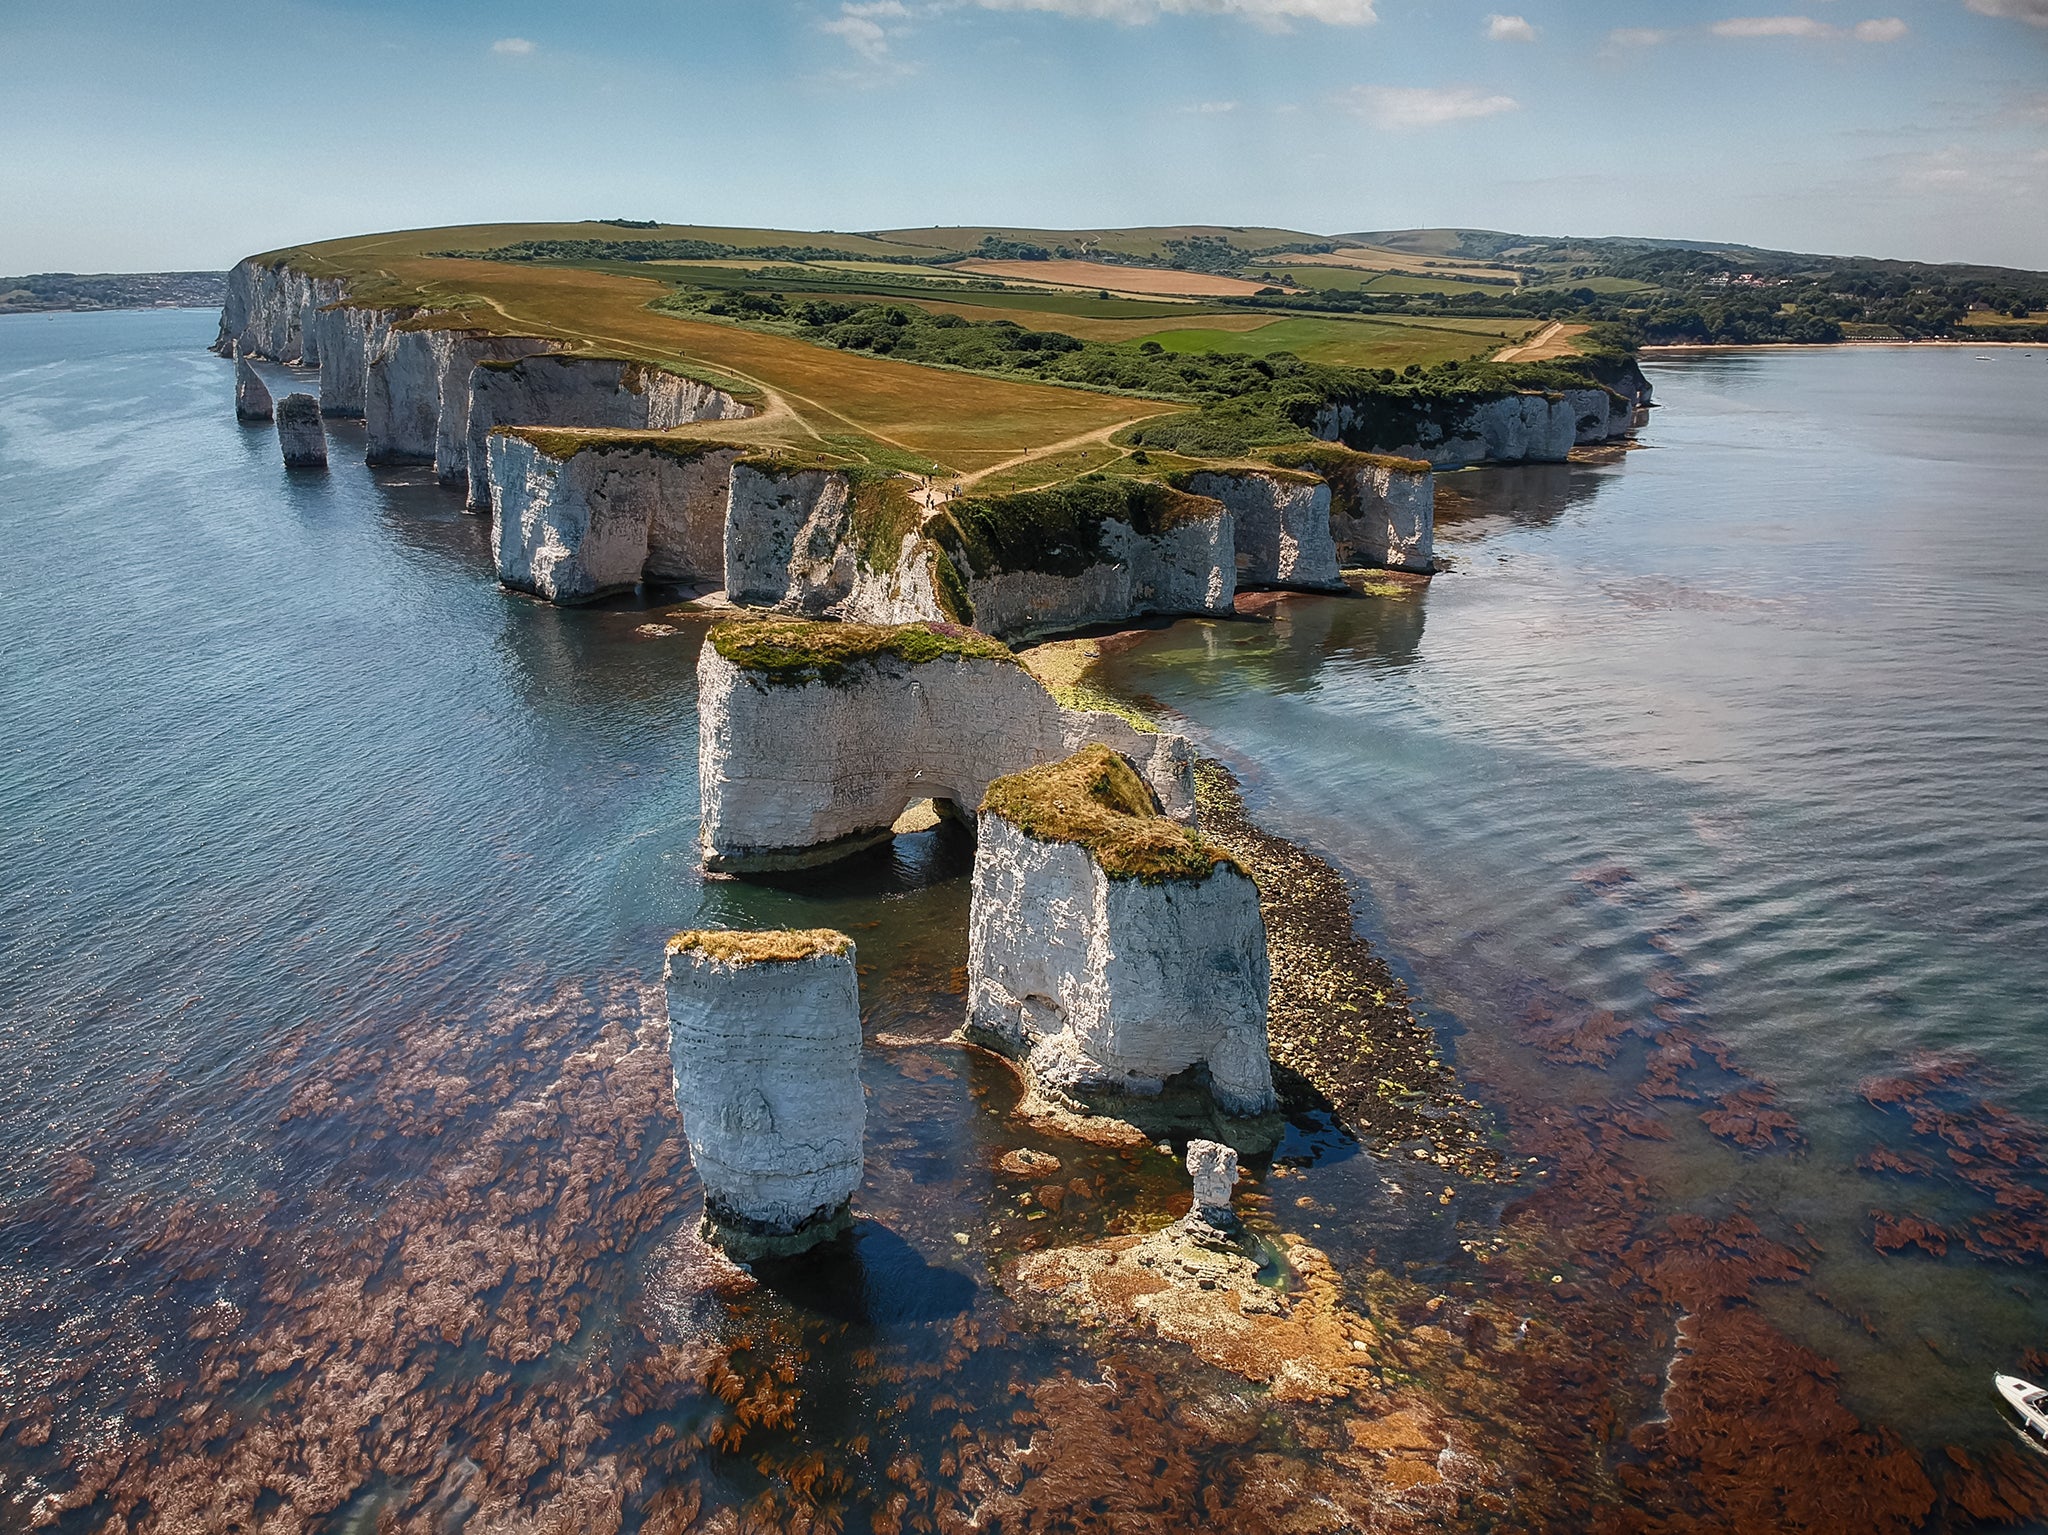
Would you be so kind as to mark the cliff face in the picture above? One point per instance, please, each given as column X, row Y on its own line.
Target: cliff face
column 1382, row 509
column 1455, row 431
column 1090, row 552
column 599, row 393
column 1104, row 980
column 1281, row 523
column 583, row 520
column 416, row 400
column 802, row 764
column 764, row 1037
column 349, row 339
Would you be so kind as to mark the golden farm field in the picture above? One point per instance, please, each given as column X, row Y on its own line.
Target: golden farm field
column 963, row 422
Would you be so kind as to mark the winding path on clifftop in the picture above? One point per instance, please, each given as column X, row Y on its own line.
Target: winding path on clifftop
column 962, row 422
column 1554, row 340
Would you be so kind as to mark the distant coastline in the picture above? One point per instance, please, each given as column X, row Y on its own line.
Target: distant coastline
column 74, row 292
column 1661, row 348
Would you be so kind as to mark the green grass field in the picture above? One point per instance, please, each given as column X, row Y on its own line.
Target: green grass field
column 1353, row 343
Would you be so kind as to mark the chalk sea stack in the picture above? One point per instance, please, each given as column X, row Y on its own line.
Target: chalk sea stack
column 299, row 432
column 1111, row 949
column 252, row 395
column 813, row 738
column 764, row 1034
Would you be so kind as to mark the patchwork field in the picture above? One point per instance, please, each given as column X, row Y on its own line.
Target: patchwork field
column 1115, row 279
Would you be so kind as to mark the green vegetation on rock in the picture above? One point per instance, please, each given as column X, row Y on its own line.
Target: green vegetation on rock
column 1059, row 529
column 792, row 652
column 1095, row 800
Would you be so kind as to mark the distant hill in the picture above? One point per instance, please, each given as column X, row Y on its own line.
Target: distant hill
column 112, row 290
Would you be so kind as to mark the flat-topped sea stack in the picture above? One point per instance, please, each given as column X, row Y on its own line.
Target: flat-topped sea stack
column 1281, row 522
column 1110, row 949
column 579, row 515
column 1382, row 508
column 598, row 393
column 764, row 1035
column 252, row 395
column 813, row 738
column 300, row 436
column 1097, row 550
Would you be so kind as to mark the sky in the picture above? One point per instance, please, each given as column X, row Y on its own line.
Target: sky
column 157, row 136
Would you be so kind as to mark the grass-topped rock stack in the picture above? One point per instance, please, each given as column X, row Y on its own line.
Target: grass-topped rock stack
column 558, row 390
column 579, row 514
column 1281, row 519
column 1111, row 949
column 1382, row 508
column 1095, row 550
column 815, row 737
column 764, row 1035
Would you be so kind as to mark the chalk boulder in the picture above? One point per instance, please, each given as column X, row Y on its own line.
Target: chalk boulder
column 252, row 395
column 765, row 1041
column 300, row 435
column 813, row 738
column 579, row 515
column 1111, row 949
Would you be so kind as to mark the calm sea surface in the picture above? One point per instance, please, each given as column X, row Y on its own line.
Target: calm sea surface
column 1753, row 720
column 1750, row 723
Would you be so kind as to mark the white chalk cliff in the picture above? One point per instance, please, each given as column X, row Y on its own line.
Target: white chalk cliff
column 1280, row 520
column 1109, row 950
column 814, row 738
column 574, row 519
column 764, row 1036
column 555, row 389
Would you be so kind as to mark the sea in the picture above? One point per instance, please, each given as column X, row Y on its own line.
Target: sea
column 338, row 1183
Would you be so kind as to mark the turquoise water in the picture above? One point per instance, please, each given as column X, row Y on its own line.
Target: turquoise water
column 1749, row 725
column 325, row 865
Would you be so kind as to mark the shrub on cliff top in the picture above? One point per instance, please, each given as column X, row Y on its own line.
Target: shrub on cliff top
column 1329, row 460
column 1057, row 530
column 1095, row 800
column 793, row 651
column 781, row 946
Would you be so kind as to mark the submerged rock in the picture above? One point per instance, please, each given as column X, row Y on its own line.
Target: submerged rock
column 814, row 737
column 765, row 1041
column 1110, row 949
column 252, row 395
column 580, row 516
column 299, row 432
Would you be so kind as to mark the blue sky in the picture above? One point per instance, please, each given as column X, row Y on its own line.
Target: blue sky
column 154, row 136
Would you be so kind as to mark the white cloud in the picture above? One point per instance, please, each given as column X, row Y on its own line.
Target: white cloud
column 517, row 46
column 1637, row 37
column 1772, row 26
column 1273, row 14
column 1509, row 29
column 2032, row 12
column 1405, row 108
column 1887, row 30
column 862, row 34
column 1211, row 108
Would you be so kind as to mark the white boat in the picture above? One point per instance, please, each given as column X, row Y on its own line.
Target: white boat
column 2028, row 1400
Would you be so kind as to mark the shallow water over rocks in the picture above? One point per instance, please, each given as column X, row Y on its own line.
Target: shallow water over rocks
column 343, row 1190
